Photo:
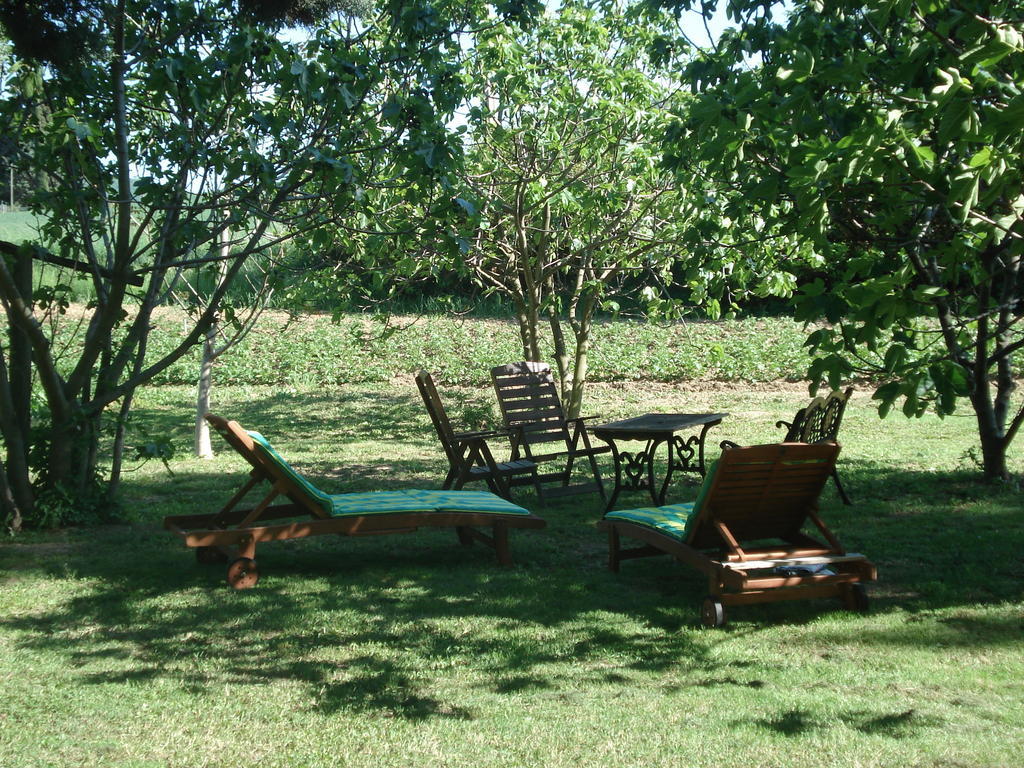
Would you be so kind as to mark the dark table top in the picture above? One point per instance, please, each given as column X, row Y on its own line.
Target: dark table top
column 653, row 425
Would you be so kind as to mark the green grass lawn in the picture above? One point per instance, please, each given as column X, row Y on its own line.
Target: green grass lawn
column 19, row 226
column 118, row 649
column 16, row 226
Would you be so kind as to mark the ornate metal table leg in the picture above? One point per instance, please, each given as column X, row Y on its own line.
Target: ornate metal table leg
column 634, row 471
column 660, row 495
column 703, row 434
column 649, row 451
column 685, row 454
column 617, row 459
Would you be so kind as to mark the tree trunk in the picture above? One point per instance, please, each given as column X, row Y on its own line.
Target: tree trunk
column 532, row 327
column 202, row 445
column 993, row 456
column 581, row 313
column 117, row 448
column 580, row 372
column 20, row 371
column 527, row 261
column 9, row 507
column 993, row 437
column 565, row 374
column 16, row 498
column 529, row 333
column 73, row 449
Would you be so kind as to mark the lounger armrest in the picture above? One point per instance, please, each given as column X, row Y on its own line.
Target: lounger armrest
column 481, row 434
column 580, row 421
column 522, row 429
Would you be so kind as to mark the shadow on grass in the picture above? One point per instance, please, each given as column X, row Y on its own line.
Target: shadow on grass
column 331, row 417
column 386, row 438
column 373, row 624
column 799, row 722
column 363, row 625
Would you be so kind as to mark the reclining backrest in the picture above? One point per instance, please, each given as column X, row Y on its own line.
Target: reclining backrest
column 269, row 465
column 238, row 439
column 438, row 415
column 298, row 488
column 528, row 398
column 761, row 491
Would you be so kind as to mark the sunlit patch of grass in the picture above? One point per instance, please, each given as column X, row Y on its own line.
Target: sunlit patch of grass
column 117, row 648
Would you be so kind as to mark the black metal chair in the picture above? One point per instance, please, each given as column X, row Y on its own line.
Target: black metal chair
column 819, row 421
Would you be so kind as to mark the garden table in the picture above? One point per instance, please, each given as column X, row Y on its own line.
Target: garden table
column 634, row 470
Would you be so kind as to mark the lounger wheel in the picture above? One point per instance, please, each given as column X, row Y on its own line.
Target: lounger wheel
column 243, row 573
column 857, row 598
column 210, row 555
column 712, row 613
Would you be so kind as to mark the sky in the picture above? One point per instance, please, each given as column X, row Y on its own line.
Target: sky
column 691, row 22
column 693, row 25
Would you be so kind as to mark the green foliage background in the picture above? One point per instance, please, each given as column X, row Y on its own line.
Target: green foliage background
column 315, row 350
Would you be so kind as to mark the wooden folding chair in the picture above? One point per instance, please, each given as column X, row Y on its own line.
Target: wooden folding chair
column 530, row 406
column 746, row 531
column 232, row 534
column 469, row 456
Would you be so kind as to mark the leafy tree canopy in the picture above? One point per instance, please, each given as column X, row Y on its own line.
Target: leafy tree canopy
column 564, row 161
column 180, row 135
column 889, row 136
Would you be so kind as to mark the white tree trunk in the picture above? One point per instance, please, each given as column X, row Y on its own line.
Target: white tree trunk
column 203, row 448
column 201, row 445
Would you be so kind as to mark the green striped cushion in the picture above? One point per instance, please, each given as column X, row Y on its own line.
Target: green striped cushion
column 378, row 502
column 385, row 502
column 474, row 501
column 673, row 520
column 705, row 487
column 323, row 499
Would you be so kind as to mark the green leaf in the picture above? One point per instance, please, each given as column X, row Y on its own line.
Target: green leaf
column 926, row 292
column 963, row 195
column 887, row 393
column 981, row 158
column 925, row 155
column 465, row 205
column 814, row 288
column 895, row 357
column 81, row 130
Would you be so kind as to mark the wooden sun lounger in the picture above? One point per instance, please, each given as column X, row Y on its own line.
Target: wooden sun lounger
column 469, row 454
column 745, row 531
column 232, row 534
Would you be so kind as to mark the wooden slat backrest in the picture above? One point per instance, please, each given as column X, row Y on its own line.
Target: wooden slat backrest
column 528, row 398
column 239, row 439
column 443, row 427
column 763, row 491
